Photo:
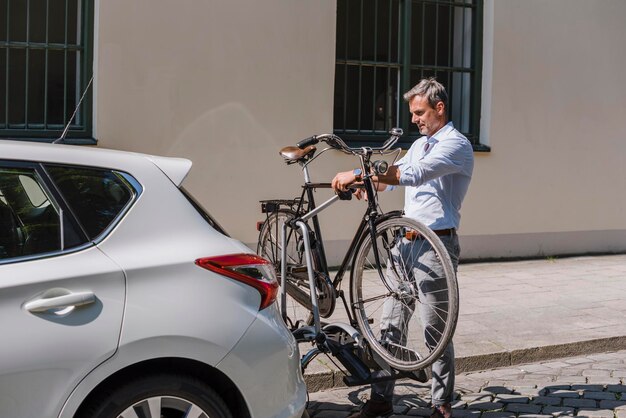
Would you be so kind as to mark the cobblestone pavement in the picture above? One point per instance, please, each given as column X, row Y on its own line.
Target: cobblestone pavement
column 524, row 311
column 586, row 386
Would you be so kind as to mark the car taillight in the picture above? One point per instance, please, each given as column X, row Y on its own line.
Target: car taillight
column 246, row 268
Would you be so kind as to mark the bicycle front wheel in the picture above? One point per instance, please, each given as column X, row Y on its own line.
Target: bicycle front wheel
column 404, row 293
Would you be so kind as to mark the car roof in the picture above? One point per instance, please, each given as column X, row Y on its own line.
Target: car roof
column 174, row 168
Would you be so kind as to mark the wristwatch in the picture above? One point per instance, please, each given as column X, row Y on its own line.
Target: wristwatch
column 358, row 174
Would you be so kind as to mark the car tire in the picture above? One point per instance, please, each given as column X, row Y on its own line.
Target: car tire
column 158, row 396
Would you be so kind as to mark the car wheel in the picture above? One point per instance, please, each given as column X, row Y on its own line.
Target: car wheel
column 159, row 396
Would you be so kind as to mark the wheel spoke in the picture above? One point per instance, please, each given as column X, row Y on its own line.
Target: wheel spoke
column 130, row 413
column 194, row 412
column 362, row 302
column 154, row 404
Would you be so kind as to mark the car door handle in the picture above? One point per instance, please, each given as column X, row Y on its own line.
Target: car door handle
column 59, row 299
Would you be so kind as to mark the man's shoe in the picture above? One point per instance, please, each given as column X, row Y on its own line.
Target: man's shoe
column 374, row 409
column 442, row 411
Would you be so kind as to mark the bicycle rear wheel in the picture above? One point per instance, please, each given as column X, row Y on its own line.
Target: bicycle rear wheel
column 298, row 301
column 406, row 299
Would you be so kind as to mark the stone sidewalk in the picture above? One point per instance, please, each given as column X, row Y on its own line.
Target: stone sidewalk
column 524, row 311
column 586, row 386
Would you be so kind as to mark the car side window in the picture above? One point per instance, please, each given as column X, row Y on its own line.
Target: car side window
column 95, row 196
column 29, row 219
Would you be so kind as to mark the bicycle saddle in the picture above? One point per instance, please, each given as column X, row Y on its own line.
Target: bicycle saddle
column 292, row 154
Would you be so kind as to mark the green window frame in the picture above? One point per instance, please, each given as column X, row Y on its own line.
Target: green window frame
column 46, row 64
column 384, row 47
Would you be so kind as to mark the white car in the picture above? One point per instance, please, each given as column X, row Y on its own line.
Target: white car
column 121, row 297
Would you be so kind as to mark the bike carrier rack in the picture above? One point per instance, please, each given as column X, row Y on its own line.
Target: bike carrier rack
column 350, row 354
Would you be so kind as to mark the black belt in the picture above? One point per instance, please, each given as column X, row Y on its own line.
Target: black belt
column 414, row 235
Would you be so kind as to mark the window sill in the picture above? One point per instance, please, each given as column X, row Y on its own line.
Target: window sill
column 66, row 141
column 481, row 148
column 355, row 140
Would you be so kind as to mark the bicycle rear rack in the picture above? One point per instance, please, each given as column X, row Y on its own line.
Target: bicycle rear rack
column 274, row 205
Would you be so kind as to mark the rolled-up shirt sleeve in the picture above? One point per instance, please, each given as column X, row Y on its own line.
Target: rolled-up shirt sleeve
column 447, row 157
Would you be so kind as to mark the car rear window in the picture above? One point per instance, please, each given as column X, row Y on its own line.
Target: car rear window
column 208, row 218
column 96, row 196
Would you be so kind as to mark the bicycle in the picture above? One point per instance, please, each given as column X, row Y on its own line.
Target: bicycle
column 378, row 274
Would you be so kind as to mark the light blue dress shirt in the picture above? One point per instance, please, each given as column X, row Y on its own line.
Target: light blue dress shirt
column 436, row 173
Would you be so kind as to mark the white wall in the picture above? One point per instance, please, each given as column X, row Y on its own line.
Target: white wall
column 227, row 84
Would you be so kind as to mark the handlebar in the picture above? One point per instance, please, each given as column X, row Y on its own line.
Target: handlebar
column 337, row 143
column 312, row 140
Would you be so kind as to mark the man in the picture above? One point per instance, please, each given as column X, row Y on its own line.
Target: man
column 436, row 172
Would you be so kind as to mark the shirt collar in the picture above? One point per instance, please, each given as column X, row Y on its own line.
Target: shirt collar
column 441, row 132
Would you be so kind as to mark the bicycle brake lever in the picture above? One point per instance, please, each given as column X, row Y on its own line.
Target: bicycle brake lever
column 337, row 143
column 396, row 132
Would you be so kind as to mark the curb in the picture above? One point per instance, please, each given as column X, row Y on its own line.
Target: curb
column 334, row 378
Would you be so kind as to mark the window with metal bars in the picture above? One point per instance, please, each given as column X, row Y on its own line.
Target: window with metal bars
column 45, row 66
column 384, row 47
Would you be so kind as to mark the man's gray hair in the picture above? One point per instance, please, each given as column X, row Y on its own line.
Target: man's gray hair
column 431, row 89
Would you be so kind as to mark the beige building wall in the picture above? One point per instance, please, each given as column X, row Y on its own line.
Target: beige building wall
column 227, row 84
column 553, row 114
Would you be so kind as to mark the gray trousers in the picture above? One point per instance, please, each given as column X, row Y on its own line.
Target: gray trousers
column 420, row 262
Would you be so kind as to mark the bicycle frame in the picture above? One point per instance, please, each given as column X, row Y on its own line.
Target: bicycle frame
column 368, row 221
column 340, row 340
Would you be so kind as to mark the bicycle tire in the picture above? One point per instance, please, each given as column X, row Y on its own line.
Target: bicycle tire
column 409, row 292
column 298, row 305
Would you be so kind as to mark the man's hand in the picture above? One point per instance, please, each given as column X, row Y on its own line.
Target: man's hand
column 342, row 180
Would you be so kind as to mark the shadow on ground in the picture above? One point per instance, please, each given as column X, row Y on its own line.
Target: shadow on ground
column 550, row 400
